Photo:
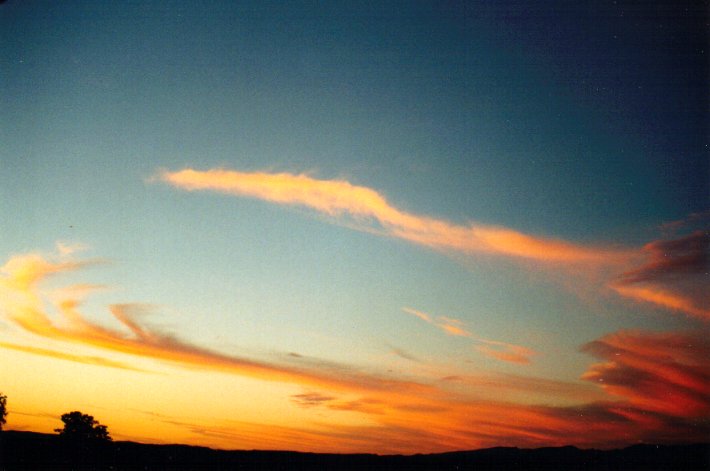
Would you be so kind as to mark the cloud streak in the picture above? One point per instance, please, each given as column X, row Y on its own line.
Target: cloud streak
column 491, row 348
column 337, row 198
column 23, row 304
column 86, row 359
column 653, row 386
column 310, row 399
column 404, row 354
column 506, row 351
column 666, row 373
column 674, row 276
column 368, row 210
column 449, row 325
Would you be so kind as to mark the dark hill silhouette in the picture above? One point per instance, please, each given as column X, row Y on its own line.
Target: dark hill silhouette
column 32, row 451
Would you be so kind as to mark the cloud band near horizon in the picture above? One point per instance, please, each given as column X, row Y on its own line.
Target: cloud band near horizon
column 639, row 371
column 23, row 304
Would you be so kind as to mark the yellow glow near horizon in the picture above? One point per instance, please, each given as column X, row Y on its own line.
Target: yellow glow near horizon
column 148, row 385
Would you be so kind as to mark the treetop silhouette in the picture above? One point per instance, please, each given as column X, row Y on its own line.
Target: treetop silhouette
column 78, row 426
column 3, row 409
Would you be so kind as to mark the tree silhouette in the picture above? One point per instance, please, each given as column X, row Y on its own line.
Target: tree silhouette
column 3, row 409
column 82, row 427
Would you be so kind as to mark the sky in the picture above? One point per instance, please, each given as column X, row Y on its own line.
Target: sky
column 387, row 227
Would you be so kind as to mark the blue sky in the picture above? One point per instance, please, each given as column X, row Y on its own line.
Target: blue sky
column 579, row 124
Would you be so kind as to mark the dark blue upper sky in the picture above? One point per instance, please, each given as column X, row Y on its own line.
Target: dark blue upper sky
column 576, row 110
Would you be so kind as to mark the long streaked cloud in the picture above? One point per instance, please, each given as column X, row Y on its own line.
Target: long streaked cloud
column 22, row 302
column 505, row 351
column 367, row 207
column 405, row 354
column 527, row 389
column 654, row 387
column 449, row 325
column 86, row 359
column 310, row 399
column 665, row 373
column 675, row 275
column 491, row 348
column 639, row 372
column 692, row 220
column 368, row 210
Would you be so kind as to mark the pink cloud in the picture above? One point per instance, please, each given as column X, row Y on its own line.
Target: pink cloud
column 667, row 373
column 674, row 275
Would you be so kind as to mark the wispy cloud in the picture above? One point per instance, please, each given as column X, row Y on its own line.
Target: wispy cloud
column 666, row 373
column 66, row 249
column 674, row 276
column 87, row 359
column 506, row 351
column 366, row 209
column 525, row 389
column 639, row 372
column 653, row 387
column 310, row 399
column 23, row 303
column 491, row 348
column 404, row 354
column 449, row 325
column 337, row 198
column 693, row 220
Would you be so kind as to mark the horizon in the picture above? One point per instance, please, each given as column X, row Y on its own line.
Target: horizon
column 28, row 448
column 239, row 450
column 393, row 229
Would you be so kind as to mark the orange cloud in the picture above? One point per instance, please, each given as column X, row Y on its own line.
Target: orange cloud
column 370, row 211
column 449, row 325
column 365, row 205
column 666, row 373
column 700, row 219
column 89, row 360
column 23, row 304
column 664, row 298
column 656, row 385
column 674, row 275
column 491, row 348
column 657, row 388
column 505, row 351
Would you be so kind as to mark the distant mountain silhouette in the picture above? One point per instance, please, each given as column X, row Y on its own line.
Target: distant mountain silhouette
column 33, row 451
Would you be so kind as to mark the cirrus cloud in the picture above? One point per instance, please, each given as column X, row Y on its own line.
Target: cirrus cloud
column 370, row 211
column 491, row 348
column 675, row 275
column 23, row 303
column 341, row 198
column 652, row 386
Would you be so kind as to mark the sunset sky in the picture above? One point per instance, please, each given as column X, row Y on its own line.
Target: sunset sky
column 389, row 227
